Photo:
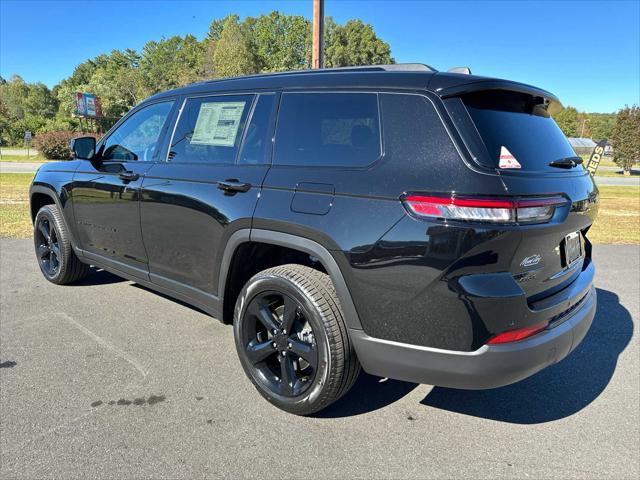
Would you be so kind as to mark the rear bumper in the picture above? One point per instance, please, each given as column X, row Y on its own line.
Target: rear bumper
column 488, row 367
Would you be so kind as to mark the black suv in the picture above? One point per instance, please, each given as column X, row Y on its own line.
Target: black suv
column 427, row 226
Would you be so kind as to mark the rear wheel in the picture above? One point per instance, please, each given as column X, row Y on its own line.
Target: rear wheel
column 292, row 339
column 56, row 258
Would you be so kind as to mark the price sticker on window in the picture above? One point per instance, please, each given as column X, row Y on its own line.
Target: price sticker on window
column 218, row 124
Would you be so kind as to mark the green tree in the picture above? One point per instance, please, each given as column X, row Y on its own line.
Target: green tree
column 233, row 55
column 216, row 26
column 625, row 138
column 567, row 120
column 171, row 63
column 117, row 82
column 354, row 43
column 280, row 42
column 601, row 125
column 13, row 94
column 40, row 101
column 24, row 107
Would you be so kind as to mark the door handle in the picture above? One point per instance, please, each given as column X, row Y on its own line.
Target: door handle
column 128, row 176
column 232, row 185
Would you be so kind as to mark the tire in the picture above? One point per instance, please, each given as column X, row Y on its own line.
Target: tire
column 303, row 308
column 56, row 258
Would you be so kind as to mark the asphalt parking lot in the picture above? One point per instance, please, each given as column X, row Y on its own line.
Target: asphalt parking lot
column 109, row 380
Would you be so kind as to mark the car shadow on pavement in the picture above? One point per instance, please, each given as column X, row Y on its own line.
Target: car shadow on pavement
column 558, row 391
column 97, row 276
column 170, row 298
column 368, row 394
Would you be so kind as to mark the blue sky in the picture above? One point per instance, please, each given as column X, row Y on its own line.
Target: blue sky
column 587, row 53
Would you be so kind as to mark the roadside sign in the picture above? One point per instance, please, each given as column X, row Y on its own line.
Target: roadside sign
column 27, row 141
column 80, row 110
column 88, row 105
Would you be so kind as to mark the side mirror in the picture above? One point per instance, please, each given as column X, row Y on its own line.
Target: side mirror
column 83, row 147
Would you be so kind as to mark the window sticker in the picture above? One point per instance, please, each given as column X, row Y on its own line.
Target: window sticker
column 507, row 160
column 218, row 124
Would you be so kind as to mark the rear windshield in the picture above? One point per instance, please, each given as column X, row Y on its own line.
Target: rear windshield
column 519, row 123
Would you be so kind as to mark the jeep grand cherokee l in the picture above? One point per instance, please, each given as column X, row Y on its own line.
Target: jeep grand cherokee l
column 423, row 226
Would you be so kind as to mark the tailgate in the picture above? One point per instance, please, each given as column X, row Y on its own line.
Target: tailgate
column 513, row 133
column 550, row 256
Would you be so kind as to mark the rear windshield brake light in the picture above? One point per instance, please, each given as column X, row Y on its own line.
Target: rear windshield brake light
column 493, row 210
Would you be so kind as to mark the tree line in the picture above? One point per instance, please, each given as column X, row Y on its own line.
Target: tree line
column 122, row 78
column 598, row 126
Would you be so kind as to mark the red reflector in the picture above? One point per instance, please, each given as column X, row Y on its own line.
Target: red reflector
column 519, row 334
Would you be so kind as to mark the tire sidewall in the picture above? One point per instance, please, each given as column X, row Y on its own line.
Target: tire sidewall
column 271, row 282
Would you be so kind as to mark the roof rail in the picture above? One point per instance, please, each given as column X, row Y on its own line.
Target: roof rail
column 394, row 67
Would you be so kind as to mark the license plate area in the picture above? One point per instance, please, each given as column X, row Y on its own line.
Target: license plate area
column 571, row 249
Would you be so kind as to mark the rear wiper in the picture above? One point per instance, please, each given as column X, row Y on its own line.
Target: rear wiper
column 567, row 162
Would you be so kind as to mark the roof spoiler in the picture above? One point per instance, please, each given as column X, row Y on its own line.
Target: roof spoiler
column 446, row 91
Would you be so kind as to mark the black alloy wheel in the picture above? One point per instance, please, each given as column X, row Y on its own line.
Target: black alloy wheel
column 56, row 258
column 279, row 342
column 47, row 246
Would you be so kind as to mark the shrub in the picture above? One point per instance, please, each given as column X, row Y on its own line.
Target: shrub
column 55, row 145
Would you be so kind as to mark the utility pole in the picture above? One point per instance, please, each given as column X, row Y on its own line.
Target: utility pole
column 318, row 34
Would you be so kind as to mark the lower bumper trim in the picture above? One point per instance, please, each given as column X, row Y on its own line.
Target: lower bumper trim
column 488, row 367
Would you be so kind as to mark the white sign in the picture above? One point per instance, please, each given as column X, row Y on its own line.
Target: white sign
column 91, row 105
column 507, row 160
column 218, row 124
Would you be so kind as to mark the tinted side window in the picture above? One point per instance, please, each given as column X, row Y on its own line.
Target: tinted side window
column 413, row 131
column 138, row 136
column 257, row 145
column 210, row 129
column 328, row 129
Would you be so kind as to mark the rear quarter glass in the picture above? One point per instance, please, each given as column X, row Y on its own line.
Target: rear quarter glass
column 515, row 123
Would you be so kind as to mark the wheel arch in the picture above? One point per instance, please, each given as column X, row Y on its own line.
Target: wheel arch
column 293, row 242
column 40, row 195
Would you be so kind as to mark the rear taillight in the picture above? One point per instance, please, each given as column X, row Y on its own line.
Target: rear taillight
column 494, row 210
column 519, row 334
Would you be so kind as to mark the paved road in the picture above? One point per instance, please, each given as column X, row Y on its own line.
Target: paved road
column 109, row 380
column 18, row 151
column 19, row 167
column 620, row 182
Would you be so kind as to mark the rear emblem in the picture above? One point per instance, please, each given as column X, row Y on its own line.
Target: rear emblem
column 531, row 260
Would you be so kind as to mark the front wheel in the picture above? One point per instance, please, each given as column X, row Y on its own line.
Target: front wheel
column 292, row 340
column 56, row 258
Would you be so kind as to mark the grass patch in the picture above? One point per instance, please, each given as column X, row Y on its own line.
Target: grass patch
column 607, row 162
column 15, row 219
column 618, row 219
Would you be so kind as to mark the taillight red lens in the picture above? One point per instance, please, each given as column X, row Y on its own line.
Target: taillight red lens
column 495, row 210
column 518, row 334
